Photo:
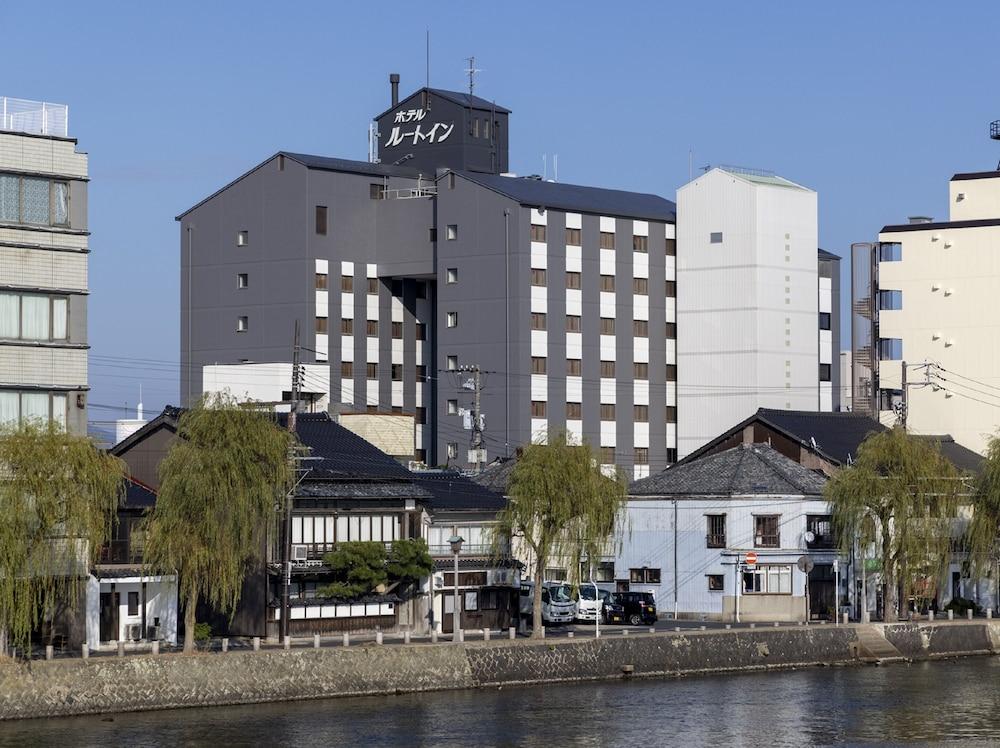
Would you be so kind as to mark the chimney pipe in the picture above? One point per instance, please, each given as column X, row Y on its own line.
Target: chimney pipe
column 394, row 83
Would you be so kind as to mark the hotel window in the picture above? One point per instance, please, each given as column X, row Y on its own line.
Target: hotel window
column 890, row 252
column 33, row 406
column 572, row 279
column 573, row 323
column 347, row 283
column 421, row 372
column 640, row 370
column 451, row 180
column 397, row 288
column 452, row 363
column 607, row 325
column 715, row 531
column 474, row 125
column 671, row 331
column 607, row 283
column 574, row 367
column 539, row 365
column 242, row 324
column 453, row 407
column 420, row 415
column 538, row 320
column 452, row 319
column 242, row 280
column 607, row 412
column 640, row 243
column 890, row 300
column 607, row 369
column 347, row 369
column 321, row 220
column 421, row 331
column 242, row 238
column 824, row 320
column 373, row 286
column 641, row 456
column 376, row 191
column 640, row 286
column 640, row 328
column 537, row 233
column 537, row 277
column 371, row 371
column 346, row 326
column 824, row 372
column 452, row 450
column 371, row 328
column 322, row 280
column 768, row 580
column 640, row 413
column 671, row 414
column 765, row 531
column 607, row 455
column 890, row 349
column 538, row 409
column 573, row 237
column 396, row 372
column 644, row 576
column 671, row 373
column 321, row 325
column 432, row 234
column 671, row 248
column 452, row 231
column 452, row 275
column 34, row 317
column 715, row 237
column 671, row 289
column 671, row 455
column 574, row 411
column 397, row 330
column 607, row 240
column 716, row 582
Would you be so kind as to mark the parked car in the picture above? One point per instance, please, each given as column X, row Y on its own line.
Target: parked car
column 630, row 607
column 591, row 603
column 558, row 601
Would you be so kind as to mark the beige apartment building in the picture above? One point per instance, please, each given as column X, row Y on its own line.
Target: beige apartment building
column 932, row 295
column 43, row 267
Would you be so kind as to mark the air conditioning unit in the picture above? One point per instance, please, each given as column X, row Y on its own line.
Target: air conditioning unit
column 300, row 553
column 134, row 632
column 153, row 633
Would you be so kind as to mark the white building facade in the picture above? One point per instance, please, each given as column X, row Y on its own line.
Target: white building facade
column 757, row 309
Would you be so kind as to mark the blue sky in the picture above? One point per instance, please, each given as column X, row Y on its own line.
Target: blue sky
column 874, row 105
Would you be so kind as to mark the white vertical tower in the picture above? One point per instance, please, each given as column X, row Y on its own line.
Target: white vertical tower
column 746, row 300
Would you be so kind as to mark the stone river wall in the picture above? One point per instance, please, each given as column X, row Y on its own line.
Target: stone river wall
column 165, row 681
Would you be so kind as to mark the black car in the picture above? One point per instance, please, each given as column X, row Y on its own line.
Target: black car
column 630, row 607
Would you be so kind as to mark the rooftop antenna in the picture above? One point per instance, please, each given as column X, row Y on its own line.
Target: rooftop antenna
column 428, row 84
column 471, row 72
column 555, row 167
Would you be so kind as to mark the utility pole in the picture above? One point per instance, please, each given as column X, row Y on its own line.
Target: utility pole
column 286, row 520
column 476, row 385
column 902, row 413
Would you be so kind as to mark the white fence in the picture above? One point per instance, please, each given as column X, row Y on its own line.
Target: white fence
column 35, row 117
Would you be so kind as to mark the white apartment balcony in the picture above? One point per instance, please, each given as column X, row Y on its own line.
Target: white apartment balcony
column 34, row 117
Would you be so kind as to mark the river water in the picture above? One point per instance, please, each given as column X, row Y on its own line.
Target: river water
column 925, row 703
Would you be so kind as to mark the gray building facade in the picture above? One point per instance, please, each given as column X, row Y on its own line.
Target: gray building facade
column 405, row 274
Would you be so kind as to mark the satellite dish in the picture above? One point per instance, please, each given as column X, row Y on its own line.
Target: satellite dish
column 805, row 564
column 810, row 536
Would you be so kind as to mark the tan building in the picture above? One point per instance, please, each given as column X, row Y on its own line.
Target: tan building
column 43, row 266
column 933, row 300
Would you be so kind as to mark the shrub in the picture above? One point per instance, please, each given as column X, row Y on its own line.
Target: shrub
column 202, row 632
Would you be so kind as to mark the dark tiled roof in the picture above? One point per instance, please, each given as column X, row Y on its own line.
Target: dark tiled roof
column 837, row 435
column 344, row 454
column 824, row 255
column 572, row 197
column 746, row 469
column 348, row 166
column 469, row 100
column 961, row 457
column 451, row 491
column 496, row 475
column 138, row 495
column 335, row 488
column 476, row 563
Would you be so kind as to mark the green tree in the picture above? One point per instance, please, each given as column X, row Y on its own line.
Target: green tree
column 562, row 506
column 902, row 496
column 983, row 537
column 408, row 561
column 360, row 566
column 219, row 486
column 58, row 500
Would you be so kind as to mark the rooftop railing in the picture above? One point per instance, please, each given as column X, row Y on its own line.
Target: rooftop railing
column 34, row 117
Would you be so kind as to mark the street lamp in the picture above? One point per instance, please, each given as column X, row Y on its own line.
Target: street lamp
column 456, row 615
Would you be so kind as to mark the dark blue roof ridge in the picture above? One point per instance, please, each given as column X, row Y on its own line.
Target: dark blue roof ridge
column 578, row 198
column 457, row 97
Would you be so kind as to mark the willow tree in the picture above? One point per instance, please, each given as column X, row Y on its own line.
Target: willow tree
column 902, row 497
column 220, row 484
column 984, row 530
column 58, row 500
column 562, row 506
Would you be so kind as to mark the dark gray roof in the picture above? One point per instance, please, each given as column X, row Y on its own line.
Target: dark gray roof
column 327, row 163
column 824, row 255
column 496, row 475
column 327, row 488
column 961, row 457
column 577, row 198
column 746, row 469
column 457, row 97
column 454, row 492
column 343, row 453
column 969, row 224
column 138, row 495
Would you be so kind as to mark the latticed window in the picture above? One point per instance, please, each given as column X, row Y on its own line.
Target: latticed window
column 715, row 536
column 765, row 531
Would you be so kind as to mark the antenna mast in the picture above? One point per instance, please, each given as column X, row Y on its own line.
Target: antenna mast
column 471, row 72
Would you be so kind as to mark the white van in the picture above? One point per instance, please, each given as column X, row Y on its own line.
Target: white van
column 559, row 601
column 591, row 602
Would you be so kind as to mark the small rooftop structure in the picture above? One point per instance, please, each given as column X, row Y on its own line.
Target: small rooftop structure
column 34, row 117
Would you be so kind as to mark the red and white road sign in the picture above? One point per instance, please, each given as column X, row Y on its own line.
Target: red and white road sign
column 750, row 559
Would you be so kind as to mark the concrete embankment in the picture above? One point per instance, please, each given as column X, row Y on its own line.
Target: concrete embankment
column 145, row 682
